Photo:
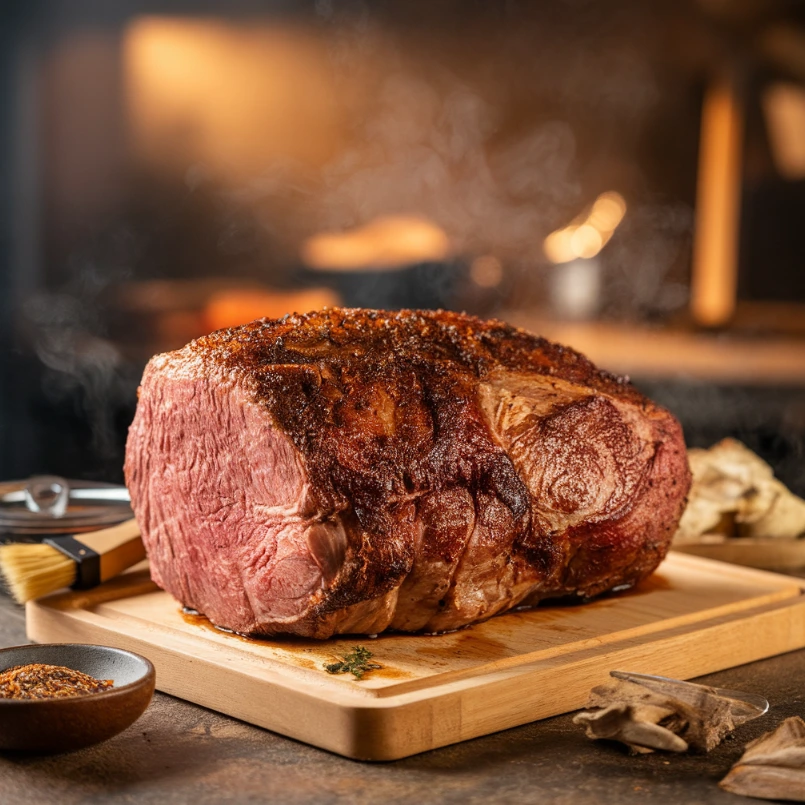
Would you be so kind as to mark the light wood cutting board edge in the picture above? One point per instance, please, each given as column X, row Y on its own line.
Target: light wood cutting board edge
column 345, row 720
column 777, row 554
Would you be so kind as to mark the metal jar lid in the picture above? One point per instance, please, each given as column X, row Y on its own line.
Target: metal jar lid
column 48, row 504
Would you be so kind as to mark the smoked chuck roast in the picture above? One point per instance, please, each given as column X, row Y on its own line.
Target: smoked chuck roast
column 350, row 471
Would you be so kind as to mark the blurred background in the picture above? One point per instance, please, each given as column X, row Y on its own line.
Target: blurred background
column 626, row 177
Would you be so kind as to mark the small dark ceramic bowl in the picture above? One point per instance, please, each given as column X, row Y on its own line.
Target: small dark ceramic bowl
column 61, row 725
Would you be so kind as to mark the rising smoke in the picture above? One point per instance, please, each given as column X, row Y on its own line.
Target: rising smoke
column 498, row 133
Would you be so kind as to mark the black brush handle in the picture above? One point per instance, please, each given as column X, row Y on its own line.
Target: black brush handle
column 87, row 561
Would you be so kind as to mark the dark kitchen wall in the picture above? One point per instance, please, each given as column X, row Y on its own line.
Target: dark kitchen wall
column 9, row 23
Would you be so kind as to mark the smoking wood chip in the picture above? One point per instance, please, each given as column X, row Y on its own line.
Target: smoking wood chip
column 654, row 713
column 773, row 766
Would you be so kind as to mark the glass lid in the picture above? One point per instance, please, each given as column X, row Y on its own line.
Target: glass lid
column 47, row 505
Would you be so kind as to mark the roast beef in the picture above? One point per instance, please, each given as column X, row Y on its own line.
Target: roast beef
column 350, row 471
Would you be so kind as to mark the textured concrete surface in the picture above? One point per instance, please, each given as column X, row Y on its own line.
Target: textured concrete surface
column 180, row 753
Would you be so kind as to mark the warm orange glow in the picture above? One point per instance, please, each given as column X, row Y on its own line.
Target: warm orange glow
column 486, row 271
column 589, row 232
column 387, row 242
column 607, row 212
column 238, row 306
column 586, row 241
column 226, row 94
column 784, row 106
column 718, row 207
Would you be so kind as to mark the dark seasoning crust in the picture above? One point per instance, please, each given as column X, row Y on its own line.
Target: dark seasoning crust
column 383, row 408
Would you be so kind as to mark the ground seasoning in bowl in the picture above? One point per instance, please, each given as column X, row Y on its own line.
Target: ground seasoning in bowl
column 39, row 681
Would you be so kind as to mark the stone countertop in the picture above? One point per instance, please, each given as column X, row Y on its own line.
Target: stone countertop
column 181, row 753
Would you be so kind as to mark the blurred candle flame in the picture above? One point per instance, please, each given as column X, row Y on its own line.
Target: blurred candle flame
column 588, row 233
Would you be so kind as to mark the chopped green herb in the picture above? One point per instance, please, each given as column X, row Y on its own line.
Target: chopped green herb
column 355, row 663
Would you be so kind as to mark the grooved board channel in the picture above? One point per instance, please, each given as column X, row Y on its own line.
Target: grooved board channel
column 693, row 616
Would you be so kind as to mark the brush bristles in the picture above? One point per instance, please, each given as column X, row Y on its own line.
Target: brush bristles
column 31, row 570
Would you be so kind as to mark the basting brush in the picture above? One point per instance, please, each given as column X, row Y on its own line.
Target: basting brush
column 31, row 570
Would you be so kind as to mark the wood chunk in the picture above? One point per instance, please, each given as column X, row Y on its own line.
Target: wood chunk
column 669, row 715
column 773, row 766
column 636, row 726
column 734, row 487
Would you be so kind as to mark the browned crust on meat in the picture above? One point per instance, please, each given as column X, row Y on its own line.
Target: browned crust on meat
column 383, row 407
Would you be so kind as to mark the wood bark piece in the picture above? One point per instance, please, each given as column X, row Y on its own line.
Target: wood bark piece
column 638, row 727
column 773, row 766
column 652, row 713
column 735, row 494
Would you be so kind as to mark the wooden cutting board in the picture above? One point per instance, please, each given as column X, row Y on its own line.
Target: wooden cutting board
column 783, row 555
column 694, row 616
